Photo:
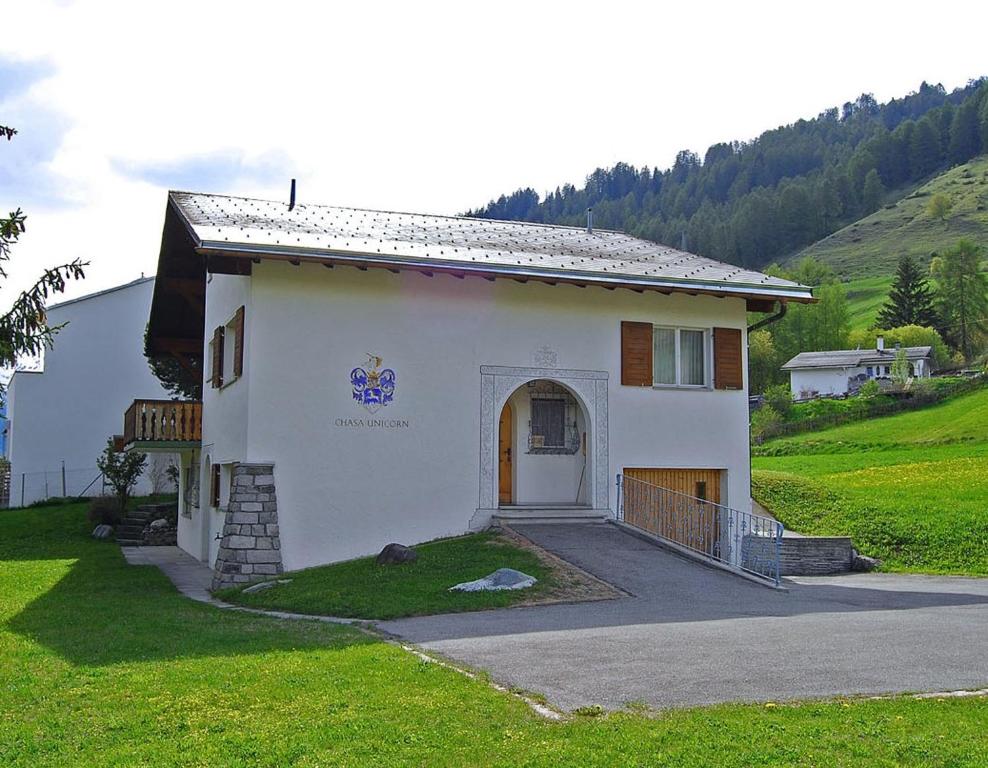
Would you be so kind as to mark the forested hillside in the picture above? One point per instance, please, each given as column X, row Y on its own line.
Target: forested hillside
column 755, row 202
column 927, row 221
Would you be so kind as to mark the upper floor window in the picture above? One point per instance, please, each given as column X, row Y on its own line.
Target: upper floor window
column 226, row 351
column 679, row 357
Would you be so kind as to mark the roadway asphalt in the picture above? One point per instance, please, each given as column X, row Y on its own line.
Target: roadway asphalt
column 692, row 635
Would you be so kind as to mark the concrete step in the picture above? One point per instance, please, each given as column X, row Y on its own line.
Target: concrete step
column 541, row 514
column 130, row 542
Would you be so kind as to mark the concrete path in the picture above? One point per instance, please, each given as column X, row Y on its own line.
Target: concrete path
column 692, row 635
column 190, row 576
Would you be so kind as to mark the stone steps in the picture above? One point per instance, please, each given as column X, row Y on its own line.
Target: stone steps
column 542, row 514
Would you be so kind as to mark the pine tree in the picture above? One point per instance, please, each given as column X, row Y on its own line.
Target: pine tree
column 965, row 138
column 873, row 192
column 962, row 296
column 910, row 301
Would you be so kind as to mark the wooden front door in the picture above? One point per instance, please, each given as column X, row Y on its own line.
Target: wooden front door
column 504, row 456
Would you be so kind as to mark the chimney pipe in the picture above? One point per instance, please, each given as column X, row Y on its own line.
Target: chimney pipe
column 880, row 343
column 589, row 221
column 291, row 197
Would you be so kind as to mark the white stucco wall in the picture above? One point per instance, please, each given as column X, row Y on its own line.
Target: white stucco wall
column 822, row 381
column 91, row 375
column 346, row 490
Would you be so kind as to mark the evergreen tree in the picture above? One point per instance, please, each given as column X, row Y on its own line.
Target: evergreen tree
column 872, row 193
column 924, row 150
column 962, row 296
column 965, row 138
column 910, row 301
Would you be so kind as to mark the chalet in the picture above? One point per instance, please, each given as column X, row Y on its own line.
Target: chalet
column 843, row 371
column 370, row 376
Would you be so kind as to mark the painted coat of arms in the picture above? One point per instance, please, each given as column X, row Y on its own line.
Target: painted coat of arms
column 373, row 387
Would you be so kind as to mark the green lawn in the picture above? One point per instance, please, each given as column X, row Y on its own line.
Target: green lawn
column 104, row 664
column 911, row 489
column 363, row 589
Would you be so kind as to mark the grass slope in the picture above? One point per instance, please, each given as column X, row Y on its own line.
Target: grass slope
column 105, row 664
column 911, row 489
column 362, row 589
column 865, row 298
column 871, row 247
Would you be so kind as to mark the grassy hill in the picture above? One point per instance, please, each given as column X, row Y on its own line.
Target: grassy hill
column 911, row 489
column 865, row 298
column 871, row 247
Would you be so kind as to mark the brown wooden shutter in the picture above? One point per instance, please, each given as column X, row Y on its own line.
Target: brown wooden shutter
column 728, row 368
column 217, row 375
column 214, row 485
column 238, row 342
column 636, row 354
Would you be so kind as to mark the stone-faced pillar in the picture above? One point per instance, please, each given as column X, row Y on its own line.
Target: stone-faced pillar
column 250, row 549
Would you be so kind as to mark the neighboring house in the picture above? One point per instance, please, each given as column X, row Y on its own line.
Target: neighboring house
column 61, row 414
column 843, row 371
column 375, row 377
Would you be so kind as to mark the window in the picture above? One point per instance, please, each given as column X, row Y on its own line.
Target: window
column 214, row 486
column 679, row 357
column 549, row 423
column 871, row 371
column 226, row 351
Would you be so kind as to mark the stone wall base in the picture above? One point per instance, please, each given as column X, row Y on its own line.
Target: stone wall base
column 250, row 549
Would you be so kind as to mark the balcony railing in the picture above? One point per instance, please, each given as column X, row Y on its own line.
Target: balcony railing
column 163, row 421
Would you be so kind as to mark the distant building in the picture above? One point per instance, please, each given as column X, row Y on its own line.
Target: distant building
column 60, row 415
column 843, row 371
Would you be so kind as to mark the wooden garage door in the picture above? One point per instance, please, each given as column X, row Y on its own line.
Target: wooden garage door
column 677, row 504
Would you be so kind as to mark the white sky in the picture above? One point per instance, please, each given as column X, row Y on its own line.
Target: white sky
column 433, row 108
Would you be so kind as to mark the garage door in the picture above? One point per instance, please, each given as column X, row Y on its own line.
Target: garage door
column 677, row 504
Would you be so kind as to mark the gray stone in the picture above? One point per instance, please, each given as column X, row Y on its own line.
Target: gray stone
column 269, row 569
column 159, row 523
column 241, row 542
column 102, row 532
column 263, row 556
column 864, row 563
column 396, row 554
column 243, row 517
column 264, row 480
column 502, row 578
column 251, row 506
column 263, row 542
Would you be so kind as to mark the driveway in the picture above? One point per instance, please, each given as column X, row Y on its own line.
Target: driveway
column 691, row 635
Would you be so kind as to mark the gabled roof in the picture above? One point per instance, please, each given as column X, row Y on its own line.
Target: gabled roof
column 243, row 227
column 852, row 358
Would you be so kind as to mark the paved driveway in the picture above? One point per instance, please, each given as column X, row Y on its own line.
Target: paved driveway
column 692, row 635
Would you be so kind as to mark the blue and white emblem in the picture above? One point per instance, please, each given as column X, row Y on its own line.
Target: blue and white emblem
column 373, row 388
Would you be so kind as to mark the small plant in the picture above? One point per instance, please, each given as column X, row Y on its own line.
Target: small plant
column 104, row 510
column 779, row 397
column 763, row 421
column 869, row 389
column 122, row 471
column 900, row 367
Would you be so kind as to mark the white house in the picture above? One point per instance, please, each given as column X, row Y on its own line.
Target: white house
column 375, row 377
column 61, row 415
column 838, row 372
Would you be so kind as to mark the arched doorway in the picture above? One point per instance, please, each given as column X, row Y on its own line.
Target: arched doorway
column 498, row 384
column 543, row 447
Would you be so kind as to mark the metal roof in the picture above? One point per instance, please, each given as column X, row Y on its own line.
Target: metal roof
column 264, row 228
column 852, row 358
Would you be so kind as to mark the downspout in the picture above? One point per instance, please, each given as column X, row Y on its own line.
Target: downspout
column 783, row 308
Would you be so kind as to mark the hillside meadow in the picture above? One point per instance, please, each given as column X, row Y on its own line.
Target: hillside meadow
column 911, row 489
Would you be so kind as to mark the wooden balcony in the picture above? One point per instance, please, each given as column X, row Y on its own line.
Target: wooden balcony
column 163, row 423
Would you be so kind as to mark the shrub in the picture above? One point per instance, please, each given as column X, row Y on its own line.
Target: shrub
column 869, row 389
column 122, row 470
column 779, row 397
column 104, row 510
column 763, row 421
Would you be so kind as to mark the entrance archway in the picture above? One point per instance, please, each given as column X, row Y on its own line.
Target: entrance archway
column 588, row 390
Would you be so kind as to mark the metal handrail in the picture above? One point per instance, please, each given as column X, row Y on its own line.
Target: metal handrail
column 740, row 540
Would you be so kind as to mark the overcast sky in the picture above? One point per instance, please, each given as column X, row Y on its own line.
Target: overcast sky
column 433, row 108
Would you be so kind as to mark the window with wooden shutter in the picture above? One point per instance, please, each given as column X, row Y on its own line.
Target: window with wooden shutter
column 636, row 354
column 216, row 379
column 214, row 486
column 238, row 342
column 728, row 365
